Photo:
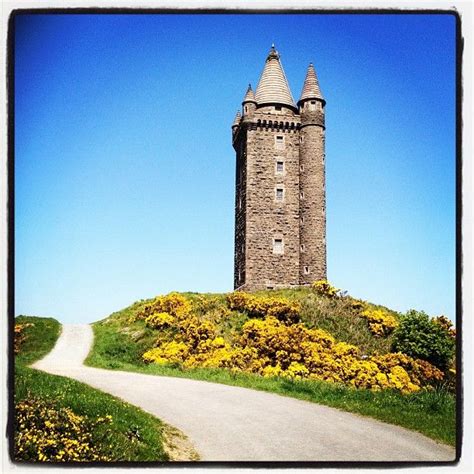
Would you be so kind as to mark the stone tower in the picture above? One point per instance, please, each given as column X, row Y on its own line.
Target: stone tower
column 280, row 214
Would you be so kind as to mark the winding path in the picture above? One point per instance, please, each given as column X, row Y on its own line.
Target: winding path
column 237, row 424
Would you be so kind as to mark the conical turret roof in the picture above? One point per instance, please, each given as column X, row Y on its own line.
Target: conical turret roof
column 273, row 86
column 238, row 116
column 249, row 95
column 311, row 88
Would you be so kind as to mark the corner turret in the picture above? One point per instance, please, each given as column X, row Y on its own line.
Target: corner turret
column 249, row 103
column 311, row 104
column 236, row 123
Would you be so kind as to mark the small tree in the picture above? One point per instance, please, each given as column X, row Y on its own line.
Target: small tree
column 421, row 337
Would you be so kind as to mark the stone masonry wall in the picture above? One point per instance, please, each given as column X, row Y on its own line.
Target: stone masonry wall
column 240, row 205
column 299, row 219
column 312, row 194
column 268, row 218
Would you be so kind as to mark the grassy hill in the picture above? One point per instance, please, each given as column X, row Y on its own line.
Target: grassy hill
column 310, row 343
column 59, row 419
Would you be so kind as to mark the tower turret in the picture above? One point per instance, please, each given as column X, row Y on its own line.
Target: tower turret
column 249, row 103
column 236, row 122
column 312, row 181
column 311, row 103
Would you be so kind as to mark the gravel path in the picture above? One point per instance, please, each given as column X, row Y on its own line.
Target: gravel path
column 237, row 424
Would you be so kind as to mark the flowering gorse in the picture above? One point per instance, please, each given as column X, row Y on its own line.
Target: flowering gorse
column 160, row 320
column 261, row 306
column 269, row 346
column 323, row 288
column 45, row 433
column 380, row 322
column 174, row 304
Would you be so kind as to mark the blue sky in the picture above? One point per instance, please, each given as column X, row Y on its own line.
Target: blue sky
column 124, row 169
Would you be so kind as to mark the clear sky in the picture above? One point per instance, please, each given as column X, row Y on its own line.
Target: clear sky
column 124, row 168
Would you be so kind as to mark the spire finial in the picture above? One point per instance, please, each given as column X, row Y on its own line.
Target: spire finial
column 273, row 54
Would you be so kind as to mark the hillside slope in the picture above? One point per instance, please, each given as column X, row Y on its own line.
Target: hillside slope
column 315, row 344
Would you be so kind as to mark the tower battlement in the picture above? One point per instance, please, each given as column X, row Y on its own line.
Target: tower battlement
column 280, row 215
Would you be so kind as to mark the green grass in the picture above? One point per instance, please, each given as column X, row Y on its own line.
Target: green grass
column 118, row 344
column 41, row 337
column 133, row 435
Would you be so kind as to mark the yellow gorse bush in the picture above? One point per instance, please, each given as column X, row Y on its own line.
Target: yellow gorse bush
column 163, row 311
column 44, row 433
column 324, row 288
column 159, row 320
column 261, row 306
column 174, row 304
column 380, row 322
column 270, row 347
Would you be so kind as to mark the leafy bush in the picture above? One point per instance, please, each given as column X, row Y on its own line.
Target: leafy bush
column 424, row 338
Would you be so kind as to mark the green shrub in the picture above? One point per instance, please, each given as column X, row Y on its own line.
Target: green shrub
column 421, row 337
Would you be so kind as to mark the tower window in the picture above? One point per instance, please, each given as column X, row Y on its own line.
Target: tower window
column 302, row 195
column 280, row 166
column 277, row 107
column 279, row 142
column 278, row 246
column 302, row 247
column 306, row 270
column 302, row 219
column 279, row 194
column 301, row 167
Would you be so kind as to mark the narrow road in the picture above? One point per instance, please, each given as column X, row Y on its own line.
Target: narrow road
column 237, row 424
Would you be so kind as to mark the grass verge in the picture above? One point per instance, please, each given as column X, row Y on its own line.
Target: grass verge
column 131, row 435
column 430, row 413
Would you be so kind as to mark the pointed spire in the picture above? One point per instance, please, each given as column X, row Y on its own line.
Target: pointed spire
column 237, row 119
column 249, row 95
column 311, row 88
column 273, row 86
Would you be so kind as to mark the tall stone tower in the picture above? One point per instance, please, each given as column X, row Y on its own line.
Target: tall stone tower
column 280, row 208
